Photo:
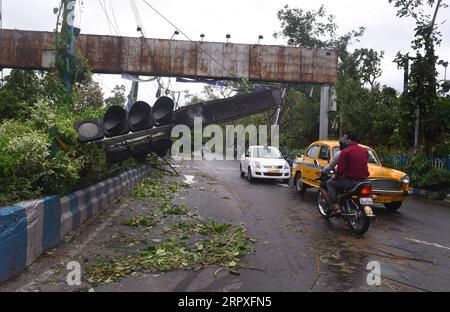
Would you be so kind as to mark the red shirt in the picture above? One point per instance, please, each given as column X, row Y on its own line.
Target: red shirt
column 353, row 163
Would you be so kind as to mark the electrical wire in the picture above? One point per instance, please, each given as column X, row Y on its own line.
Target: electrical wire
column 137, row 17
column 114, row 16
column 80, row 8
column 101, row 82
column 181, row 32
column 110, row 23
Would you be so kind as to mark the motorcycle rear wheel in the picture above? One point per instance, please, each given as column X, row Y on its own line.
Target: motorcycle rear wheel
column 360, row 222
column 322, row 205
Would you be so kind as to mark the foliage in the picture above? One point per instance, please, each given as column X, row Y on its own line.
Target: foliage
column 421, row 91
column 147, row 220
column 27, row 168
column 300, row 124
column 374, row 112
column 153, row 187
column 70, row 64
column 425, row 177
column 189, row 244
column 220, row 244
column 306, row 28
column 31, row 103
column 118, row 98
column 10, row 105
column 25, row 85
column 88, row 95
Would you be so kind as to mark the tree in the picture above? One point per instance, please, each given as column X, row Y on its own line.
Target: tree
column 25, row 85
column 371, row 112
column 306, row 28
column 314, row 29
column 318, row 29
column 369, row 65
column 10, row 105
column 118, row 98
column 24, row 88
column 88, row 95
column 420, row 98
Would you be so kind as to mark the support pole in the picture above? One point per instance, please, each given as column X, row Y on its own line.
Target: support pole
column 324, row 108
column 69, row 33
column 278, row 111
column 132, row 97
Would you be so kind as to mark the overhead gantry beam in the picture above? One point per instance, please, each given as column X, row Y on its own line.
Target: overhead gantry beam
column 160, row 57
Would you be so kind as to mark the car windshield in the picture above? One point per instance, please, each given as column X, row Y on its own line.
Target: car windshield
column 373, row 159
column 267, row 152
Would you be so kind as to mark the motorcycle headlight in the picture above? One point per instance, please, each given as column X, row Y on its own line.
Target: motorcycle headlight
column 405, row 179
column 257, row 164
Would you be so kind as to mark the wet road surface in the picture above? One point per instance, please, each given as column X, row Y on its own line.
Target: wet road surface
column 295, row 249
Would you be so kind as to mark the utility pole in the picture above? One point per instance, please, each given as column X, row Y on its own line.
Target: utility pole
column 324, row 109
column 276, row 120
column 68, row 32
column 132, row 97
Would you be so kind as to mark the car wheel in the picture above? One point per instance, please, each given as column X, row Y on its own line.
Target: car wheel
column 393, row 205
column 249, row 175
column 242, row 172
column 300, row 187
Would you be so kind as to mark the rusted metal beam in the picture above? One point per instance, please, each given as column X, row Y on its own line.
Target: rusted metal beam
column 161, row 57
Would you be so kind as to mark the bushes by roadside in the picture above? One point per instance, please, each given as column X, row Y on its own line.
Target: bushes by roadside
column 423, row 175
column 28, row 168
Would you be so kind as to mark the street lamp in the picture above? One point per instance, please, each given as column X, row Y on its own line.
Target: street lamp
column 445, row 64
column 202, row 35
column 174, row 34
column 259, row 38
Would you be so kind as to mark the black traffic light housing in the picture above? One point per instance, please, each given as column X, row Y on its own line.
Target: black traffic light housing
column 162, row 111
column 89, row 130
column 140, row 116
column 114, row 121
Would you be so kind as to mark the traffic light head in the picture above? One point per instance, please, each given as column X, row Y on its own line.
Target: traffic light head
column 140, row 116
column 115, row 121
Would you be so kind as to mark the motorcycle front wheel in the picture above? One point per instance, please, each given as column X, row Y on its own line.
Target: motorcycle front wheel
column 357, row 219
column 322, row 205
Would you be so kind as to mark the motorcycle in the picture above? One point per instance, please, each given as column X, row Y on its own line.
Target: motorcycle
column 356, row 205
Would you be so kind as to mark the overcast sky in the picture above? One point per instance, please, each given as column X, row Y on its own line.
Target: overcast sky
column 243, row 19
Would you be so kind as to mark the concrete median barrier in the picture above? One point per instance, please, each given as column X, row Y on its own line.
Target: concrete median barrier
column 30, row 228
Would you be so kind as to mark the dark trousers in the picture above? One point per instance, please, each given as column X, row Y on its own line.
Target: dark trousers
column 335, row 185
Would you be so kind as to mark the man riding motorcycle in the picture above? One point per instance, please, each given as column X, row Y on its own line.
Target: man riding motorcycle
column 352, row 169
column 343, row 143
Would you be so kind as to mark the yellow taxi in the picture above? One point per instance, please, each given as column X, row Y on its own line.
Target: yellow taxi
column 389, row 186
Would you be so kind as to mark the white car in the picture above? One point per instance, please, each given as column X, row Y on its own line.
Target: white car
column 264, row 162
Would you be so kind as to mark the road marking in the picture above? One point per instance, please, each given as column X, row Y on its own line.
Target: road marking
column 283, row 185
column 427, row 243
column 189, row 179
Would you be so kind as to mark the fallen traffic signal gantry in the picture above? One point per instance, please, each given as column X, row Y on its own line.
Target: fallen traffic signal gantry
column 144, row 130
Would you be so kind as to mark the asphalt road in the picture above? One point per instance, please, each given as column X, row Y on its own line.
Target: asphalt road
column 295, row 249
